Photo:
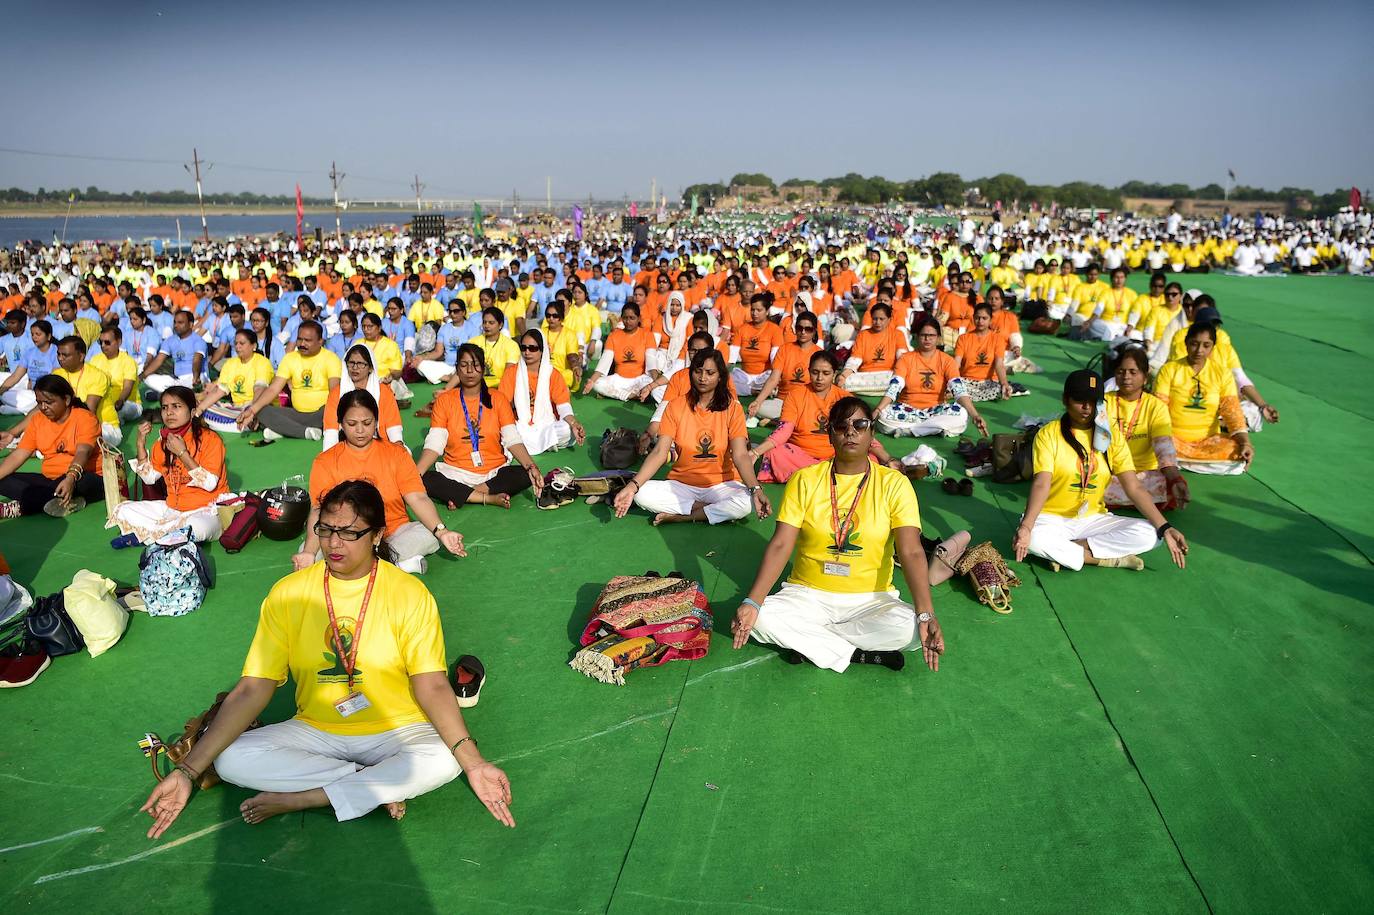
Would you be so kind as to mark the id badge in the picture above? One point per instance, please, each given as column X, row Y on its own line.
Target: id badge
column 351, row 704
column 477, row 459
column 840, row 569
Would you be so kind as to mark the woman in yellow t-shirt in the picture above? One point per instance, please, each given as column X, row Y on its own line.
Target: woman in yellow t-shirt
column 1201, row 394
column 241, row 380
column 1066, row 520
column 840, row 522
column 376, row 722
column 1142, row 420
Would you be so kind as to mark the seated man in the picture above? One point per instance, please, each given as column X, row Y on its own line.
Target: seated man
column 312, row 372
column 839, row 606
column 186, row 352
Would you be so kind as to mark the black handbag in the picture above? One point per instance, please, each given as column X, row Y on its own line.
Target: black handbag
column 1013, row 456
column 50, row 625
column 619, row 449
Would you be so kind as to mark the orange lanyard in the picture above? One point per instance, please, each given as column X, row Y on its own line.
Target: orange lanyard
column 1086, row 471
column 350, row 661
column 841, row 528
column 1125, row 429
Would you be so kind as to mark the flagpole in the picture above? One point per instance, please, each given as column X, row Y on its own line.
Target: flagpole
column 71, row 198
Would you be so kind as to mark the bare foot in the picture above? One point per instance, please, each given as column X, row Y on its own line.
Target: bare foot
column 264, row 806
column 502, row 500
column 397, row 809
column 669, row 518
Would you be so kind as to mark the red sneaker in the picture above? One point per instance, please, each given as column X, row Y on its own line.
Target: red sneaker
column 24, row 668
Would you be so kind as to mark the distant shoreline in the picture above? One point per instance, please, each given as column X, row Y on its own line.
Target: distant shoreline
column 124, row 210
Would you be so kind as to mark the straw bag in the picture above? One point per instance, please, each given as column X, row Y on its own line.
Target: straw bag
column 116, row 483
column 992, row 580
column 177, row 750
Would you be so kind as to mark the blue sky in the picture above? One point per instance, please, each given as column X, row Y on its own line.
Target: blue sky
column 605, row 97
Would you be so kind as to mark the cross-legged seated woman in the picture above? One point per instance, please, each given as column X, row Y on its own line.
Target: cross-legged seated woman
column 707, row 428
column 839, row 522
column 1201, row 394
column 540, row 397
column 1142, row 420
column 388, row 466
column 1065, row 520
column 188, row 459
column 471, row 428
column 64, row 432
column 376, row 722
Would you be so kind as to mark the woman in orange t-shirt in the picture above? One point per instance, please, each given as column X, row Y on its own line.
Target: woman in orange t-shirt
column 187, row 463
column 979, row 358
column 875, row 353
column 789, row 369
column 360, row 455
column 540, row 398
column 707, row 428
column 914, row 403
column 803, row 438
column 470, row 428
column 65, row 433
column 628, row 349
column 756, row 345
column 730, row 307
column 360, row 374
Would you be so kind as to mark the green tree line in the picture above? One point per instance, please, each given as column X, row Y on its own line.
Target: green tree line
column 93, row 194
column 950, row 189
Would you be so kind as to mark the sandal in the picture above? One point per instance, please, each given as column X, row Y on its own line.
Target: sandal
column 950, row 485
column 965, row 487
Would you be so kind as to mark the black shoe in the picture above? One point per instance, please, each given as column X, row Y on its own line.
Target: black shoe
column 792, row 656
column 467, row 678
column 558, row 490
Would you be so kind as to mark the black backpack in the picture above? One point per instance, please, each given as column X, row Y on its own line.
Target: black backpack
column 619, row 449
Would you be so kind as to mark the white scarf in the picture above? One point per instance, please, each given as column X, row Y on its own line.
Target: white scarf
column 373, row 385
column 678, row 330
column 543, row 411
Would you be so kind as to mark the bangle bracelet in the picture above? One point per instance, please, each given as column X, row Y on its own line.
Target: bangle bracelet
column 187, row 771
column 751, row 602
column 454, row 748
column 1163, row 529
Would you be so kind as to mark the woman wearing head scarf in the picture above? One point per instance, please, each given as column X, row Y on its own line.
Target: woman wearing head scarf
column 543, row 405
column 361, row 375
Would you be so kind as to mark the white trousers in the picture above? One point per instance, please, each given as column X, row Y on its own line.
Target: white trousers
column 1107, row 535
column 539, row 439
column 131, row 411
column 359, row 773
column 1102, row 329
column 411, row 541
column 1254, row 419
column 160, row 382
column 747, row 384
column 771, row 408
column 1216, row 468
column 827, row 626
column 18, row 400
column 434, row 370
column 723, row 502
column 111, row 434
column 868, row 382
column 619, row 387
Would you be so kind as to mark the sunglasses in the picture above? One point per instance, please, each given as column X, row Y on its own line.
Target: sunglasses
column 323, row 531
column 858, row 425
column 456, row 311
column 530, row 347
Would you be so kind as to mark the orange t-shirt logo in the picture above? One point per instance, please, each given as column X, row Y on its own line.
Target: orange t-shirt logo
column 704, row 448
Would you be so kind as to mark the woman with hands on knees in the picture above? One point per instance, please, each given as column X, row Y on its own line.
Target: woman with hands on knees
column 376, row 720
column 707, row 427
column 839, row 522
column 1066, row 520
column 361, row 455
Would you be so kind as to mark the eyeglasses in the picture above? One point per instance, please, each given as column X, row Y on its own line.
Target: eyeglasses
column 358, row 364
column 456, row 311
column 323, row 531
column 1173, row 295
column 530, row 347
column 858, row 425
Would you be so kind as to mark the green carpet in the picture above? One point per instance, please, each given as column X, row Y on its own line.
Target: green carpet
column 1165, row 741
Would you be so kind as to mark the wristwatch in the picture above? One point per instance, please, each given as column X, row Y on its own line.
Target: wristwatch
column 437, row 528
column 924, row 617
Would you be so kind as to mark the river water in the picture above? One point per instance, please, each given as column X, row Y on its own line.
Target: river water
column 118, row 228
